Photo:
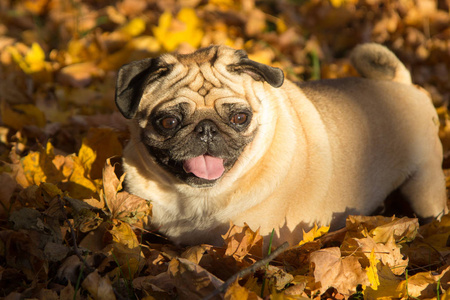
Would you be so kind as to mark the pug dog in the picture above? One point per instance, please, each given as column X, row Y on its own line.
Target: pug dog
column 217, row 137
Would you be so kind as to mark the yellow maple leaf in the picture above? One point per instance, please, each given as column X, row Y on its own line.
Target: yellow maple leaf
column 122, row 233
column 314, row 233
column 38, row 166
column 80, row 186
column 32, row 61
column 135, row 27
column 237, row 292
column 184, row 28
column 372, row 273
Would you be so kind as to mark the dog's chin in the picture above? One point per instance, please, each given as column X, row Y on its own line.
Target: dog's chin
column 198, row 182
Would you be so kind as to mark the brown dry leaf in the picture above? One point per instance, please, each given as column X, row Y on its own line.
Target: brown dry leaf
column 21, row 251
column 404, row 229
column 437, row 233
column 240, row 241
column 388, row 253
column 195, row 253
column 159, row 286
column 278, row 278
column 78, row 75
column 95, row 239
column 298, row 257
column 100, row 288
column 84, row 215
column 8, row 185
column 332, row 270
column 122, row 205
column 17, row 170
column 191, row 280
column 424, row 284
column 68, row 293
column 363, row 224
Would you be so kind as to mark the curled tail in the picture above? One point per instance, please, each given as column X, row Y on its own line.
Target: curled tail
column 375, row 61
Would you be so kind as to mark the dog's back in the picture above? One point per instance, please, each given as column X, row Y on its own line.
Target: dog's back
column 383, row 134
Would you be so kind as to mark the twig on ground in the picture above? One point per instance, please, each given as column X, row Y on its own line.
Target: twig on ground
column 247, row 271
column 74, row 238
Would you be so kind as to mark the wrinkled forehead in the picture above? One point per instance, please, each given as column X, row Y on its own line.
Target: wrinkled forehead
column 203, row 77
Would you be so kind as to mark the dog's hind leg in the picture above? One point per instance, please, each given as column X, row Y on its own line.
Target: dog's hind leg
column 425, row 191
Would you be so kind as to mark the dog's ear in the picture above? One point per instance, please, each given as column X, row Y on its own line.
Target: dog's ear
column 258, row 71
column 132, row 80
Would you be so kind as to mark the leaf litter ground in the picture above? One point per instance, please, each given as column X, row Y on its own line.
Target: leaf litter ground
column 69, row 231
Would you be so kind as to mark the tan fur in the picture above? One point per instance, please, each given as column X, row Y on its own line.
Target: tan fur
column 321, row 150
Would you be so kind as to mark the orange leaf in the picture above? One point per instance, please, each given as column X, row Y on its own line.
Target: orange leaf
column 122, row 205
column 240, row 241
column 332, row 270
column 122, row 233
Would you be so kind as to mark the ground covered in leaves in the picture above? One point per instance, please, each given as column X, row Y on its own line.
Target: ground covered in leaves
column 69, row 231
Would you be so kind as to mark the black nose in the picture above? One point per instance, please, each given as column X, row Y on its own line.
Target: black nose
column 206, row 130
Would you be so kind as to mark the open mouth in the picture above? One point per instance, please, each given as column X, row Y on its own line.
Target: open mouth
column 200, row 171
column 205, row 166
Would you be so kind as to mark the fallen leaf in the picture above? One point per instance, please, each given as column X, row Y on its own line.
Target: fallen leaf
column 240, row 241
column 33, row 61
column 388, row 253
column 184, row 28
column 8, row 185
column 237, row 292
column 100, row 288
column 123, row 234
column 191, row 280
column 21, row 115
column 122, row 205
column 372, row 272
column 389, row 286
column 314, row 233
column 99, row 145
column 404, row 229
column 332, row 270
column 195, row 254
column 424, row 284
column 68, row 293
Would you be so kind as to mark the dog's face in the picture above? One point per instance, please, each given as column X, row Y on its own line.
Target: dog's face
column 196, row 112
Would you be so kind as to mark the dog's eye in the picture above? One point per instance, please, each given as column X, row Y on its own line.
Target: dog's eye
column 239, row 119
column 169, row 122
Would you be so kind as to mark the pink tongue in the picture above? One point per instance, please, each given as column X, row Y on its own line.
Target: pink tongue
column 205, row 166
